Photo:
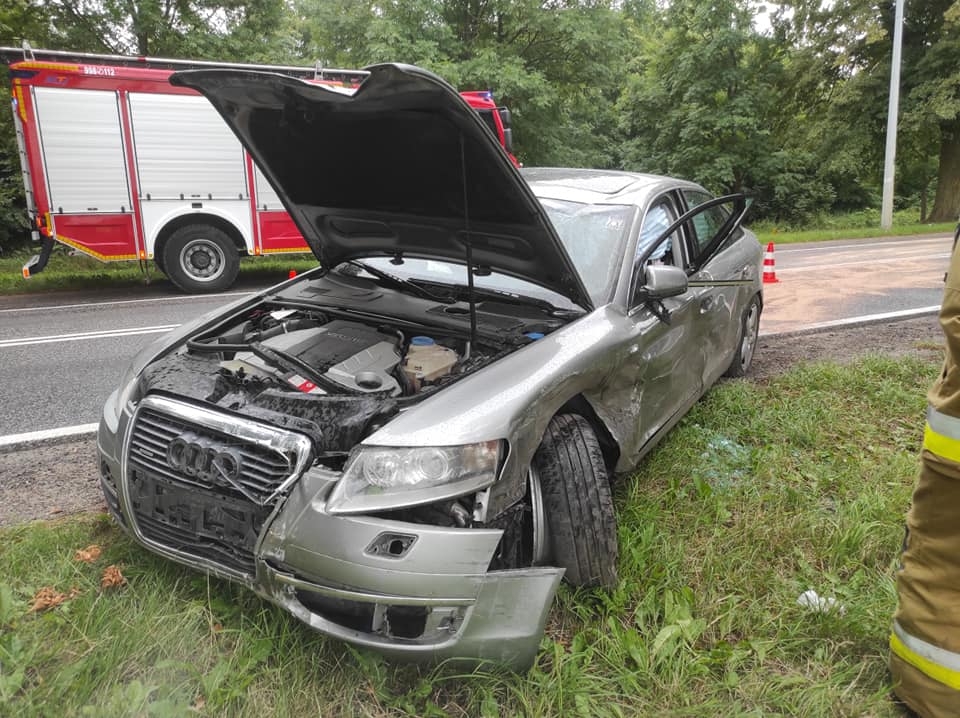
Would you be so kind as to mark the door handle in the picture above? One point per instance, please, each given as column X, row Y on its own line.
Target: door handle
column 706, row 305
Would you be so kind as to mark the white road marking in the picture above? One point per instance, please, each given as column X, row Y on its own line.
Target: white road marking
column 127, row 301
column 16, row 441
column 912, row 242
column 873, row 262
column 862, row 319
column 82, row 336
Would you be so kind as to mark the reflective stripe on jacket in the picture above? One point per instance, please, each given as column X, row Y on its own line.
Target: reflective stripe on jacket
column 942, row 435
column 939, row 664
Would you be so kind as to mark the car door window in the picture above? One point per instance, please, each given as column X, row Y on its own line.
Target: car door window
column 712, row 225
column 705, row 224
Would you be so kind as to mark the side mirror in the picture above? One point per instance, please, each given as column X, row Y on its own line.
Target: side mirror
column 659, row 282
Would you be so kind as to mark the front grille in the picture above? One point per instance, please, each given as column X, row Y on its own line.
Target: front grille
column 203, row 483
column 262, row 468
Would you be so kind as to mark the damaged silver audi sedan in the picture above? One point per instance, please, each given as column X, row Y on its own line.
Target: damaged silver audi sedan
column 410, row 446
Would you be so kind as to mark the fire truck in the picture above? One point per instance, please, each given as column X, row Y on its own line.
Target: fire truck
column 121, row 165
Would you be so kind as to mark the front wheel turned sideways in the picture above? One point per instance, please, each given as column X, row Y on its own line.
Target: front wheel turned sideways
column 200, row 258
column 749, row 332
column 581, row 527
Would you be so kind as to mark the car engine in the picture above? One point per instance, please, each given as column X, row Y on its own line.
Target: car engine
column 357, row 358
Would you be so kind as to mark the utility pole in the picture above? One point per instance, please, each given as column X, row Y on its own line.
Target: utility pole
column 893, row 109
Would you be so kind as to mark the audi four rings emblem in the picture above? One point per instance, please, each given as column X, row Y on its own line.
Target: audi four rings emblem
column 203, row 459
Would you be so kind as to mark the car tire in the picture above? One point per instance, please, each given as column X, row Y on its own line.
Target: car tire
column 577, row 502
column 200, row 258
column 158, row 262
column 749, row 331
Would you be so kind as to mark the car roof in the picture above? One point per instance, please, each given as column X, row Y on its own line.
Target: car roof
column 599, row 186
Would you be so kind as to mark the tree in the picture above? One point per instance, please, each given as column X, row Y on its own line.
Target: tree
column 850, row 44
column 703, row 101
column 932, row 91
column 175, row 28
column 557, row 65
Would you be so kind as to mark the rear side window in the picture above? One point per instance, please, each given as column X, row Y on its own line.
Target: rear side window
column 656, row 221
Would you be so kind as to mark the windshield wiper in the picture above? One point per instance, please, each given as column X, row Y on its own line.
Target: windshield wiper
column 511, row 298
column 403, row 285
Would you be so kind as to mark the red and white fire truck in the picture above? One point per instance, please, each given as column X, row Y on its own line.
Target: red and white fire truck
column 121, row 165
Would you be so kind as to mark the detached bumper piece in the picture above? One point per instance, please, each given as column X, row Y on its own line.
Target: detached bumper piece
column 38, row 262
column 234, row 497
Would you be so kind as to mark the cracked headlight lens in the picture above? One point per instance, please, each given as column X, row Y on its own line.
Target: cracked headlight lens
column 376, row 478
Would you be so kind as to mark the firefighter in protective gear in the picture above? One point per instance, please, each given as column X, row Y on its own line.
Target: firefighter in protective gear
column 925, row 641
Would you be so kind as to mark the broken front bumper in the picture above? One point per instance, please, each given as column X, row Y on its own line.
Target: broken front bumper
column 410, row 591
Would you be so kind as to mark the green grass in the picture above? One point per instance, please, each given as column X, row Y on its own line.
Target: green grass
column 766, row 233
column 66, row 272
column 854, row 225
column 763, row 491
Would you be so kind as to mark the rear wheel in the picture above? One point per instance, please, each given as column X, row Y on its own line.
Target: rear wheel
column 749, row 330
column 200, row 258
column 577, row 528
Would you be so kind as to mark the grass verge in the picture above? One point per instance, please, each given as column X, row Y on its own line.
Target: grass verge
column 76, row 272
column 762, row 492
column 771, row 234
column 854, row 225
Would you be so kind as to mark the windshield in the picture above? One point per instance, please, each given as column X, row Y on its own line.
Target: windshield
column 449, row 273
column 594, row 236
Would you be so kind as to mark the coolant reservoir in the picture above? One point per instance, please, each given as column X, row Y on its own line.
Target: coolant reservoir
column 426, row 360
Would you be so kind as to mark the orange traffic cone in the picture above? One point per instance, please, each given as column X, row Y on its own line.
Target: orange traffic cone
column 293, row 273
column 769, row 272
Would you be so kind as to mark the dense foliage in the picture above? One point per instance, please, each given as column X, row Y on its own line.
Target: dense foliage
column 789, row 105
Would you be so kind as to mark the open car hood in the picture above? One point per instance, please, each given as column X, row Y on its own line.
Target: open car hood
column 401, row 167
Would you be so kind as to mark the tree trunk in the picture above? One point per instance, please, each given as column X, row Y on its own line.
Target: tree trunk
column 946, row 205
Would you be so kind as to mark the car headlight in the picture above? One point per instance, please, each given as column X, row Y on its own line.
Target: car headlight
column 377, row 478
column 129, row 391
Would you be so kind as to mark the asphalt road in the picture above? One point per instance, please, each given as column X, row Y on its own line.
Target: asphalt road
column 61, row 360
column 64, row 353
column 829, row 282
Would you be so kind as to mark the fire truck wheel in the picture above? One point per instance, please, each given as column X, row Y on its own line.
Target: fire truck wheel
column 199, row 258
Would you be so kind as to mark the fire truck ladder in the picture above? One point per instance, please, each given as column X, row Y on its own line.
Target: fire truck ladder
column 38, row 261
column 24, row 165
column 317, row 72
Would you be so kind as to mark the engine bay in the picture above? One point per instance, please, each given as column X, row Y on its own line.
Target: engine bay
column 314, row 353
column 296, row 343
column 337, row 368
